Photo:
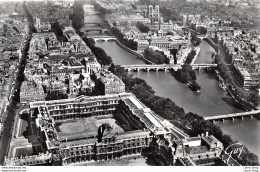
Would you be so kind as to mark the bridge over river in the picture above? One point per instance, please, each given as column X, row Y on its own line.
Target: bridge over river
column 94, row 26
column 165, row 67
column 103, row 38
column 232, row 116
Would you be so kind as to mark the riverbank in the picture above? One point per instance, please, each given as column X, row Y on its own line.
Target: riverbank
column 212, row 44
column 181, row 73
column 238, row 93
column 197, row 50
column 168, row 109
column 193, row 124
column 210, row 101
column 186, row 74
column 172, row 111
column 133, row 52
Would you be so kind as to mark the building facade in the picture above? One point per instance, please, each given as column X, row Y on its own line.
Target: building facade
column 152, row 13
column 110, row 83
column 142, row 45
column 31, row 92
column 81, row 147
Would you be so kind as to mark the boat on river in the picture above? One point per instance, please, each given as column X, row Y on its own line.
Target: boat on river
column 194, row 86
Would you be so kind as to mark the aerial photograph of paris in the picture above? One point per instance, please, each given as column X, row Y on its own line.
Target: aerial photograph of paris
column 130, row 83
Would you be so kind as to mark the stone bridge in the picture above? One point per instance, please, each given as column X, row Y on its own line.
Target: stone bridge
column 95, row 24
column 232, row 116
column 89, row 6
column 148, row 67
column 86, row 29
column 103, row 38
column 164, row 67
column 203, row 66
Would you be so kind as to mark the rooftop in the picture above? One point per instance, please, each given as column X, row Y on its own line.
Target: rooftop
column 196, row 149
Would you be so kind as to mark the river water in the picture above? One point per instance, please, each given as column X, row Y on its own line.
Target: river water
column 212, row 100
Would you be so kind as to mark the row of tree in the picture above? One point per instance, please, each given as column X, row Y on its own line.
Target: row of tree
column 57, row 29
column 143, row 28
column 101, row 9
column 155, row 56
column 192, row 123
column 190, row 57
column 199, row 29
column 77, row 16
column 241, row 94
column 29, row 18
column 56, row 96
column 202, row 30
column 100, row 54
column 185, row 75
column 195, row 40
column 130, row 43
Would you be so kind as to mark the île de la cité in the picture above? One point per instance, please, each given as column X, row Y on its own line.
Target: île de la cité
column 129, row 83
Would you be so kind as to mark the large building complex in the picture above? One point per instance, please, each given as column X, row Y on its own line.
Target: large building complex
column 193, row 150
column 82, row 129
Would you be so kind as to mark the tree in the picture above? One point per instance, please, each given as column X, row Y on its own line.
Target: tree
column 57, row 28
column 32, row 29
column 250, row 159
column 143, row 28
column 134, row 7
column 254, row 98
column 101, row 9
column 202, row 30
column 155, row 56
column 77, row 22
column 78, row 15
column 185, row 75
column 101, row 55
column 130, row 43
column 190, row 57
column 56, row 96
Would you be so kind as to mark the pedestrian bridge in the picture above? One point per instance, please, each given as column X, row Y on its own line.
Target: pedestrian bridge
column 232, row 116
column 103, row 38
column 164, row 67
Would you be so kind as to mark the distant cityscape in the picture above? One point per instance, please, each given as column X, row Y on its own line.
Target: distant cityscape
column 80, row 82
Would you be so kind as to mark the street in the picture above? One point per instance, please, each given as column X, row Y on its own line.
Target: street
column 14, row 106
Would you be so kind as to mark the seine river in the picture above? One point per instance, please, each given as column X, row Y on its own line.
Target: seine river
column 212, row 100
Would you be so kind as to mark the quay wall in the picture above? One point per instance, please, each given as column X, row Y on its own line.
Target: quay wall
column 212, row 44
column 133, row 52
column 197, row 53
